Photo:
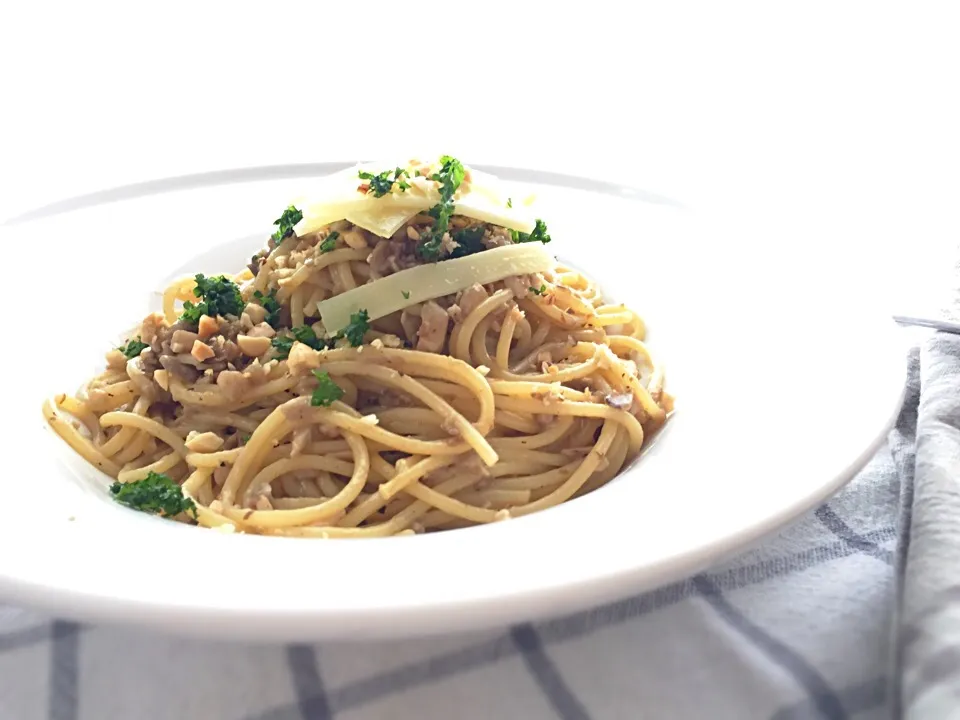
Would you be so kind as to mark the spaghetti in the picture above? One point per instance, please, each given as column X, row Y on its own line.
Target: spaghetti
column 470, row 404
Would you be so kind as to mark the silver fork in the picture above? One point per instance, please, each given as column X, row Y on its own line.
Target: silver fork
column 941, row 325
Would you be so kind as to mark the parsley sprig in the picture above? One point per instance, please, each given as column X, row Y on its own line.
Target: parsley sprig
column 327, row 390
column 381, row 183
column 542, row 290
column 133, row 348
column 450, row 176
column 329, row 243
column 219, row 295
column 156, row 494
column 269, row 303
column 290, row 217
column 539, row 234
column 354, row 331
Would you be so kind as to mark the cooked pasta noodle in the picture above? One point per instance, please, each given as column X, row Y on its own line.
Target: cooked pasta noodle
column 487, row 402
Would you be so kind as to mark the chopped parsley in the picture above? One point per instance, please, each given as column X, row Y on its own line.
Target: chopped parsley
column 539, row 234
column 542, row 290
column 290, row 217
column 245, row 438
column 509, row 202
column 327, row 390
column 353, row 332
column 469, row 241
column 133, row 348
column 330, row 242
column 450, row 176
column 220, row 296
column 356, row 328
column 271, row 305
column 381, row 183
column 406, row 294
column 156, row 494
column 302, row 334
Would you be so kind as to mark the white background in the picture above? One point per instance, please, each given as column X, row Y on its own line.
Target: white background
column 834, row 121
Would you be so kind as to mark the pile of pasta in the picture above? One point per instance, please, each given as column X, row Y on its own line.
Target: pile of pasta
column 535, row 390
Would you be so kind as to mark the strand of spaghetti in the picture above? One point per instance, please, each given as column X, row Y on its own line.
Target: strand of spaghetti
column 403, row 479
column 159, row 431
column 136, row 447
column 566, row 299
column 214, row 398
column 577, row 479
column 534, row 482
column 505, row 341
column 78, row 442
column 510, row 468
column 553, row 432
column 450, row 505
column 536, row 338
column 226, row 419
column 603, row 319
column 460, row 344
column 624, row 343
column 627, row 379
column 530, row 389
column 553, row 314
column 334, row 257
column 513, row 421
column 296, row 308
column 110, row 397
column 345, row 276
column 615, row 459
column 297, row 412
column 563, row 375
column 125, row 435
column 537, row 457
column 82, row 413
column 263, row 519
column 581, row 409
column 472, row 435
column 279, row 467
column 494, row 497
column 158, row 466
column 374, row 502
column 322, row 510
column 397, row 523
column 422, row 365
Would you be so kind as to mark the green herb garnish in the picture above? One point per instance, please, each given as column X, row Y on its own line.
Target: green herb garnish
column 290, row 217
column 509, row 202
column 356, row 328
column 327, row 390
column 539, row 234
column 271, row 305
column 156, row 494
column 450, row 176
column 330, row 242
column 406, row 294
column 381, row 183
column 469, row 241
column 220, row 296
column 133, row 348
column 542, row 290
column 303, row 334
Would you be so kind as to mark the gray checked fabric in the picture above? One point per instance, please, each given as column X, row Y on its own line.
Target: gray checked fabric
column 854, row 612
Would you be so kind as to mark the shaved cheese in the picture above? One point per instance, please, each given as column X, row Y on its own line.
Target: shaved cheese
column 426, row 282
column 337, row 198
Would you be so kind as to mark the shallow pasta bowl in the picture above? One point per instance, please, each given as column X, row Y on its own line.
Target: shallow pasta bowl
column 758, row 385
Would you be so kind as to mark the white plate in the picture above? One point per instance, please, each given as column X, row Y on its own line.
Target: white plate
column 783, row 392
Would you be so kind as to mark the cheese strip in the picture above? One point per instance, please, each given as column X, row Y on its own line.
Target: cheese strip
column 426, row 282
